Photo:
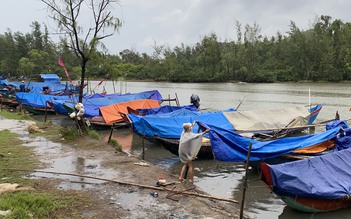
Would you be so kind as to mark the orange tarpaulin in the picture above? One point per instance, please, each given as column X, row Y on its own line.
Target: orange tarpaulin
column 318, row 148
column 111, row 112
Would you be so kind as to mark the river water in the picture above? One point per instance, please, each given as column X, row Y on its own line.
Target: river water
column 226, row 179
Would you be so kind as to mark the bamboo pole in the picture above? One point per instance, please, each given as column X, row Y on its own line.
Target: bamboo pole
column 46, row 110
column 143, row 143
column 177, row 100
column 109, row 137
column 245, row 181
column 131, row 184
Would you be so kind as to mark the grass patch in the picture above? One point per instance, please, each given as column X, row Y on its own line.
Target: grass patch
column 93, row 134
column 24, row 204
column 13, row 115
column 116, row 145
column 47, row 203
column 70, row 134
column 15, row 156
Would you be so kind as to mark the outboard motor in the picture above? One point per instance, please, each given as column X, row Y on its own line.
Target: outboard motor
column 195, row 100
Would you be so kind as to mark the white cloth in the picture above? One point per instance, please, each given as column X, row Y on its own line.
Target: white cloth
column 267, row 119
column 189, row 146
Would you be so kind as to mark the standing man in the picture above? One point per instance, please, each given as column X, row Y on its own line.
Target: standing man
column 189, row 146
column 22, row 87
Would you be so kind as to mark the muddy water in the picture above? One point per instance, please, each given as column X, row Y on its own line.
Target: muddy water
column 226, row 179
column 57, row 159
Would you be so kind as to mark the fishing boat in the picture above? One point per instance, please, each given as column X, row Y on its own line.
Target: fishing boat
column 93, row 103
column 316, row 184
column 8, row 98
column 38, row 104
column 231, row 147
column 112, row 113
column 167, row 127
column 172, row 145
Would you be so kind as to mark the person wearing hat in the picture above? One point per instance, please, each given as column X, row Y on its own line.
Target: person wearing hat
column 189, row 146
column 22, row 87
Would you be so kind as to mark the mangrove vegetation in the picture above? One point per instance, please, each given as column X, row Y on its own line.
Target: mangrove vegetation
column 321, row 53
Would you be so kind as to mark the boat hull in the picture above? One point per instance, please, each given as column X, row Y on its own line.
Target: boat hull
column 305, row 204
column 172, row 145
column 312, row 205
column 39, row 111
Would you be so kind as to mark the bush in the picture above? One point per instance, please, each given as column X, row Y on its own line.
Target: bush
column 70, row 134
column 93, row 134
column 116, row 145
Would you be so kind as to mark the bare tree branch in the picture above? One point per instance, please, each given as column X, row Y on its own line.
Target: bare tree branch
column 84, row 42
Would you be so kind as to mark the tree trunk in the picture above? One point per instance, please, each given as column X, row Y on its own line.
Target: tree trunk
column 82, row 80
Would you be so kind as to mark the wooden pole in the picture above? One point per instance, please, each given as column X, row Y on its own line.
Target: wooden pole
column 142, row 142
column 46, row 111
column 245, row 181
column 109, row 138
column 177, row 100
column 132, row 184
column 113, row 84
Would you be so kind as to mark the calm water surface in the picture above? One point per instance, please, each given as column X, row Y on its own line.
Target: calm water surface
column 226, row 179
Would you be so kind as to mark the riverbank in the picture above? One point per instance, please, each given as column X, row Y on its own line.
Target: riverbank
column 104, row 183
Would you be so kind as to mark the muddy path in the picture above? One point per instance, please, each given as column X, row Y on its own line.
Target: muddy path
column 112, row 199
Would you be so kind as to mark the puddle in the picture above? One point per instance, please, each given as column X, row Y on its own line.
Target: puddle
column 41, row 145
column 133, row 202
column 58, row 160
column 74, row 164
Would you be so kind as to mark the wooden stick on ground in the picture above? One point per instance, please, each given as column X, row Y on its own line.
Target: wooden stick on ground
column 130, row 184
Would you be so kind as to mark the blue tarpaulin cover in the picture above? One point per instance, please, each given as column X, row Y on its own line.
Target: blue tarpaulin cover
column 37, row 100
column 169, row 125
column 232, row 147
column 51, row 78
column 166, row 109
column 94, row 102
column 327, row 176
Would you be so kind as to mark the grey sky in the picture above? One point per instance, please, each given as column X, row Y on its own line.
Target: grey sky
column 173, row 22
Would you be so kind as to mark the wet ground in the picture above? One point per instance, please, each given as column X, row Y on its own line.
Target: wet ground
column 112, row 173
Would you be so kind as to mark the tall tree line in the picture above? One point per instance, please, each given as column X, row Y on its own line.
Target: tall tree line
column 321, row 53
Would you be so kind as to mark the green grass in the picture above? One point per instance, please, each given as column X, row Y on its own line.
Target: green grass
column 93, row 134
column 70, row 134
column 24, row 204
column 13, row 115
column 14, row 156
column 116, row 145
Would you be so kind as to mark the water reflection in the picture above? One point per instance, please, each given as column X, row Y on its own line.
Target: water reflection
column 223, row 179
column 289, row 213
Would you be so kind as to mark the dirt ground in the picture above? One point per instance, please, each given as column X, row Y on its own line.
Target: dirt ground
column 118, row 185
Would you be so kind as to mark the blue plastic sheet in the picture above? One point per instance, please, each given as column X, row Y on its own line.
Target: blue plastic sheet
column 232, row 147
column 94, row 102
column 327, row 176
column 169, row 125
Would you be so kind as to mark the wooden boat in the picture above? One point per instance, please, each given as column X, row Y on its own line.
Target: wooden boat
column 317, row 184
column 99, row 123
column 206, row 152
column 39, row 110
column 172, row 145
column 8, row 100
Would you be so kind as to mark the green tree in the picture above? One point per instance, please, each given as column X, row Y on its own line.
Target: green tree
column 84, row 42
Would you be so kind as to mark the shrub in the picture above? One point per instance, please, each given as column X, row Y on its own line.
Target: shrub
column 116, row 145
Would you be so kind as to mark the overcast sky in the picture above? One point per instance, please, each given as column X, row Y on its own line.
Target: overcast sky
column 172, row 22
